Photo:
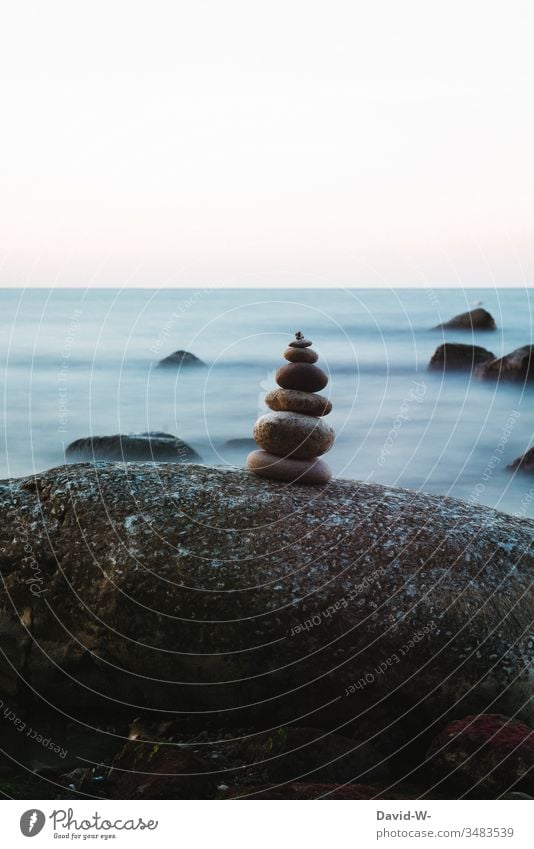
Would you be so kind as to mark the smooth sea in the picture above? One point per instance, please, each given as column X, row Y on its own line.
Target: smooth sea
column 78, row 362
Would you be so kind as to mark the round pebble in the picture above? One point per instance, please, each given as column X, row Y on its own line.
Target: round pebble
column 292, row 434
column 312, row 472
column 302, row 376
column 293, row 401
column 301, row 355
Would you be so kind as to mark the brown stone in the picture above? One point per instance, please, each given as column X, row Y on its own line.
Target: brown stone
column 302, row 376
column 311, row 472
column 292, row 434
column 301, row 355
column 293, row 401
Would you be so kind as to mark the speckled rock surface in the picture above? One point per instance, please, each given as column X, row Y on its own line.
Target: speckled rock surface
column 285, row 434
column 191, row 588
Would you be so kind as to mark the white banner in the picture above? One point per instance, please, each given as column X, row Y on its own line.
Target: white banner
column 309, row 824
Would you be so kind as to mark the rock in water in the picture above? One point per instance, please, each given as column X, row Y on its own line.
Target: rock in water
column 517, row 366
column 154, row 446
column 190, row 588
column 477, row 319
column 294, row 432
column 453, row 356
column 180, row 359
column 525, row 463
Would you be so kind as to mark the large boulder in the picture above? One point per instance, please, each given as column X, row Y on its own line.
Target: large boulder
column 193, row 589
column 453, row 356
column 477, row 319
column 517, row 366
column 180, row 359
column 154, row 446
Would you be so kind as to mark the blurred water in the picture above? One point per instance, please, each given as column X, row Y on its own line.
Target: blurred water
column 76, row 362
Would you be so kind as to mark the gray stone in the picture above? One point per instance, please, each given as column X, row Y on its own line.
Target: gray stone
column 154, row 446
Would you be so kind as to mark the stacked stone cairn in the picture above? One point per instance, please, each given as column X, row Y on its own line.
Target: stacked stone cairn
column 294, row 435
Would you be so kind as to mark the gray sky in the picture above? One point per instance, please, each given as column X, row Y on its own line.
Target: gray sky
column 385, row 142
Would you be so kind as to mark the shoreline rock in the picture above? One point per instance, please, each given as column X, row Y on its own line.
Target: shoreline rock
column 222, row 593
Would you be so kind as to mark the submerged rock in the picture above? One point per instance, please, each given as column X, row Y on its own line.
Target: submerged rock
column 153, row 446
column 525, row 463
column 518, row 366
column 453, row 356
column 195, row 589
column 179, row 359
column 477, row 319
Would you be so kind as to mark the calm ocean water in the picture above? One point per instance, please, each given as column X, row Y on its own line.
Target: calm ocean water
column 77, row 362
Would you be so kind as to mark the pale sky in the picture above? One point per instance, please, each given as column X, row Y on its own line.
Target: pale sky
column 232, row 142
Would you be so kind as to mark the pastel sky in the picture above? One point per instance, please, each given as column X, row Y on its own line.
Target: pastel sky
column 289, row 142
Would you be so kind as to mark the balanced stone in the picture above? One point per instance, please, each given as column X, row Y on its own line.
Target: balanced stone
column 293, row 434
column 301, row 355
column 312, row 472
column 293, row 401
column 302, row 376
column 299, row 341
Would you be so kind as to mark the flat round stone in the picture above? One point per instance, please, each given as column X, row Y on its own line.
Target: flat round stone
column 293, row 401
column 301, row 355
column 300, row 343
column 292, row 434
column 302, row 376
column 309, row 472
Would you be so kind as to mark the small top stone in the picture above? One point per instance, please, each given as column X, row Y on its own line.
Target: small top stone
column 299, row 341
